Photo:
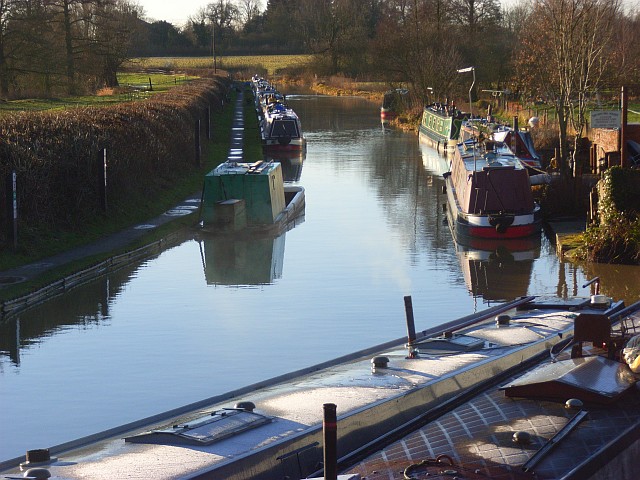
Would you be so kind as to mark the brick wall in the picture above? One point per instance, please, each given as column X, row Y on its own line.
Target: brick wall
column 605, row 145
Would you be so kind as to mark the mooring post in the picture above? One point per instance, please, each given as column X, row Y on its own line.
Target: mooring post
column 411, row 328
column 330, row 435
column 209, row 122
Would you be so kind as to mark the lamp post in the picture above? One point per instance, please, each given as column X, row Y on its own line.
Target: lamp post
column 472, row 70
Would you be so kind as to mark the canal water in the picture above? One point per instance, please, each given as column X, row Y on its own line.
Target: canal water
column 210, row 315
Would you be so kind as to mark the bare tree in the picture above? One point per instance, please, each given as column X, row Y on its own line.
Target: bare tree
column 248, row 10
column 335, row 29
column 413, row 44
column 474, row 14
column 568, row 58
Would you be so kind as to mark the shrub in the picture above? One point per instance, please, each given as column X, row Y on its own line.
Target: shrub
column 616, row 239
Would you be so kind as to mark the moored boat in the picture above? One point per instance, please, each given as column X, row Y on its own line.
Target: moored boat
column 238, row 196
column 281, row 129
column 440, row 126
column 392, row 101
column 274, row 429
column 489, row 193
column 280, row 126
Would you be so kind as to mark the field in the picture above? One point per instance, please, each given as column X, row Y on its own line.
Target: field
column 133, row 86
column 264, row 64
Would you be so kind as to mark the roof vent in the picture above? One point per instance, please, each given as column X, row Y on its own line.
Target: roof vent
column 379, row 362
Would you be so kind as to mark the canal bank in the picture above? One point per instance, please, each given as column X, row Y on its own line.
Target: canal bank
column 564, row 233
column 117, row 249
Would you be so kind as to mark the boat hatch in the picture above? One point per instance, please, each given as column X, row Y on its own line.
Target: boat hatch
column 217, row 426
column 444, row 346
column 551, row 302
column 590, row 379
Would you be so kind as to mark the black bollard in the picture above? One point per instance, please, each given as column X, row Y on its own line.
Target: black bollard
column 330, row 432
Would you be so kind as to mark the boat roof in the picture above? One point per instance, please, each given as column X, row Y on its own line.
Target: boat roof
column 477, row 157
column 245, row 168
column 375, row 390
column 566, row 418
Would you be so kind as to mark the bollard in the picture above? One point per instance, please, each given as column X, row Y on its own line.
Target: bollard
column 411, row 328
column 330, row 433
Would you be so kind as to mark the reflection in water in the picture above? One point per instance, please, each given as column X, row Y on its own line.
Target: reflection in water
column 498, row 270
column 242, row 261
column 86, row 309
column 433, row 162
column 291, row 162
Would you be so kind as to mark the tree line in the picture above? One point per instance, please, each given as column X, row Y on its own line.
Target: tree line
column 48, row 46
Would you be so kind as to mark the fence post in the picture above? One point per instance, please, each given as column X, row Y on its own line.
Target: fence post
column 103, row 181
column 198, row 152
column 209, row 122
column 12, row 208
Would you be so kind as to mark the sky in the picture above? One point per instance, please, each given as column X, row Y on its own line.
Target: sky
column 177, row 12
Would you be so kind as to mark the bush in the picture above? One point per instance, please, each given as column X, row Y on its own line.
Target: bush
column 616, row 239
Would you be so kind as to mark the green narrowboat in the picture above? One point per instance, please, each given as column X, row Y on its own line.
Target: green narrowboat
column 440, row 127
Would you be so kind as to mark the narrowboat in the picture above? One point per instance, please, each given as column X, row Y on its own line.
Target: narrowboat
column 392, row 102
column 331, row 417
column 281, row 129
column 238, row 196
column 440, row 126
column 489, row 193
column 280, row 126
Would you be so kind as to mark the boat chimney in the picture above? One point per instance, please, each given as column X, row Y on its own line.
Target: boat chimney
column 515, row 123
column 411, row 328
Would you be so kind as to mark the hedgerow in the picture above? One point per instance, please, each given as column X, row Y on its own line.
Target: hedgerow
column 58, row 155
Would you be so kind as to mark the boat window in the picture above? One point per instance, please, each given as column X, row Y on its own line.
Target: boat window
column 284, row 128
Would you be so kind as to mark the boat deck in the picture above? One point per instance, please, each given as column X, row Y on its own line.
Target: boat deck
column 476, row 439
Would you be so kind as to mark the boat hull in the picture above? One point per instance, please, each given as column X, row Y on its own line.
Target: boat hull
column 493, row 227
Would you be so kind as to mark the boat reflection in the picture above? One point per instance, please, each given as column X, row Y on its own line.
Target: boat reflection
column 243, row 259
column 497, row 270
column 290, row 161
column 435, row 163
